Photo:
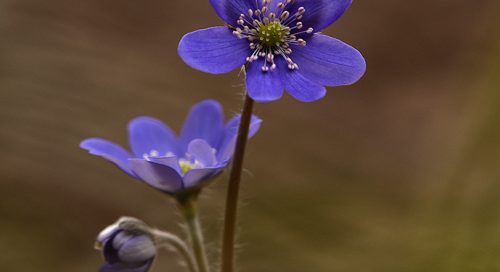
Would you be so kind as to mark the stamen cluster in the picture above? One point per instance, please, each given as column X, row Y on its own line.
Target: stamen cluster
column 186, row 163
column 271, row 34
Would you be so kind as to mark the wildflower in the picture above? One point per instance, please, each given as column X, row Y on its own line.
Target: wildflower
column 175, row 164
column 279, row 41
column 126, row 251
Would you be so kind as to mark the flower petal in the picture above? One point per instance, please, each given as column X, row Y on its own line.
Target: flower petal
column 137, row 249
column 302, row 88
column 121, row 267
column 202, row 152
column 263, row 87
column 195, row 177
column 170, row 161
column 213, row 50
column 107, row 233
column 159, row 176
column 108, row 250
column 229, row 10
column 205, row 121
column 320, row 13
column 226, row 149
column 109, row 151
column 147, row 134
column 329, row 62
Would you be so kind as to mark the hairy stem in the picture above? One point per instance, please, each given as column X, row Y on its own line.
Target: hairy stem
column 229, row 233
column 163, row 238
column 190, row 212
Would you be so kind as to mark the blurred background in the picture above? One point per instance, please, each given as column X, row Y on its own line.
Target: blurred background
column 400, row 172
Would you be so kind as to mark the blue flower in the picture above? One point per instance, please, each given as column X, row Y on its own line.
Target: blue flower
column 125, row 251
column 174, row 164
column 279, row 41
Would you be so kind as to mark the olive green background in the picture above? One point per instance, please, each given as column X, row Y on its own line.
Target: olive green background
column 398, row 173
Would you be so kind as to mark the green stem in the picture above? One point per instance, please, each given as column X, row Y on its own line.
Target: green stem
column 164, row 238
column 229, row 233
column 190, row 212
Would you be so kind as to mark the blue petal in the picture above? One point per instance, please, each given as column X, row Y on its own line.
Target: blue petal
column 108, row 151
column 202, row 152
column 320, row 13
column 302, row 88
column 229, row 10
column 137, row 249
column 213, row 50
column 109, row 252
column 263, row 87
column 121, row 267
column 147, row 134
column 159, row 176
column 329, row 62
column 170, row 161
column 120, row 239
column 107, row 233
column 226, row 149
column 205, row 121
column 195, row 177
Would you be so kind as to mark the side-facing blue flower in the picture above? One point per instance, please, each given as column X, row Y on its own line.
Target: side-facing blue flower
column 279, row 41
column 174, row 164
column 125, row 251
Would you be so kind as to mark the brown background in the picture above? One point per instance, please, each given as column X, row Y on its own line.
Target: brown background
column 397, row 173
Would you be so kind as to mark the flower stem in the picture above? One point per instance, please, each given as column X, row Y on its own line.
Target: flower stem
column 229, row 233
column 190, row 212
column 164, row 238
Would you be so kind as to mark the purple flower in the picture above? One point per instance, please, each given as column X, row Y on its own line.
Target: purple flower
column 125, row 251
column 173, row 164
column 279, row 41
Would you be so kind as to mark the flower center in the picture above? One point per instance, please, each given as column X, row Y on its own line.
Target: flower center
column 271, row 34
column 186, row 163
column 186, row 166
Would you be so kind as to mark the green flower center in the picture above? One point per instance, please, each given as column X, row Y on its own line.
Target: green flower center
column 185, row 166
column 271, row 34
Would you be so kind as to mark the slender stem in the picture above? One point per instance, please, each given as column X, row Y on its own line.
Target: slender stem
column 190, row 212
column 229, row 234
column 165, row 238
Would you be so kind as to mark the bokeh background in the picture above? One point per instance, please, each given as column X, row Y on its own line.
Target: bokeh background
column 400, row 172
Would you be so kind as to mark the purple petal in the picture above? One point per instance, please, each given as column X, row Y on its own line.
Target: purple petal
column 195, row 177
column 205, row 121
column 213, row 50
column 320, row 13
column 147, row 134
column 137, row 249
column 161, row 177
column 109, row 151
column 109, row 253
column 202, row 152
column 120, row 267
column 120, row 239
column 226, row 148
column 107, row 233
column 329, row 62
column 263, row 87
column 229, row 10
column 302, row 88
column 170, row 161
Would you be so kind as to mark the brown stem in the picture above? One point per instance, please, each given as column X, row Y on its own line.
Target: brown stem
column 229, row 233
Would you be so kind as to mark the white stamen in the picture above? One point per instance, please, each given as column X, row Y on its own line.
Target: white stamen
column 271, row 34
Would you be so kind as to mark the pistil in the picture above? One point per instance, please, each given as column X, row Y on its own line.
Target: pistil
column 270, row 34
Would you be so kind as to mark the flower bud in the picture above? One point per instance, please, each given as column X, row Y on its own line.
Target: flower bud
column 126, row 245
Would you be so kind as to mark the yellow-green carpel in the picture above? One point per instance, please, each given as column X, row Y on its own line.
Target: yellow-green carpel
column 272, row 34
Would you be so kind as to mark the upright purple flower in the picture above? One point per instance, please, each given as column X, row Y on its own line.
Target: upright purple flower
column 125, row 251
column 279, row 41
column 174, row 164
